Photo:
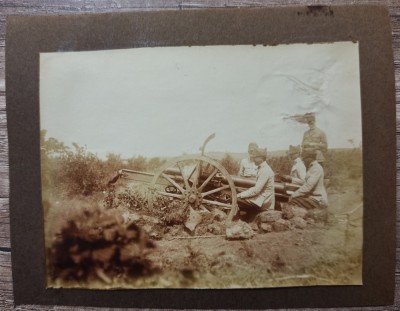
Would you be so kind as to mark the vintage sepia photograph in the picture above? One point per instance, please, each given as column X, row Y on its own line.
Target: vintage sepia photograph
column 226, row 166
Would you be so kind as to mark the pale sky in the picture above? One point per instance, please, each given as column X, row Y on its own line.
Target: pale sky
column 164, row 101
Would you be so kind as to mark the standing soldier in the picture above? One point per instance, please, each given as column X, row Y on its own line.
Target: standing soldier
column 247, row 166
column 314, row 139
column 261, row 197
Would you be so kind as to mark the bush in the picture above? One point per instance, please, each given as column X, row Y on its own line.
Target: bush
column 81, row 172
column 92, row 243
column 280, row 165
column 230, row 164
column 129, row 197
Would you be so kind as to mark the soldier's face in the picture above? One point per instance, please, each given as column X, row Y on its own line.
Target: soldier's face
column 307, row 161
column 258, row 160
column 251, row 150
column 293, row 156
column 311, row 124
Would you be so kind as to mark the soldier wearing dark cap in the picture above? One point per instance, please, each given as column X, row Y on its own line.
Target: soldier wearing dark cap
column 312, row 193
column 261, row 197
column 314, row 139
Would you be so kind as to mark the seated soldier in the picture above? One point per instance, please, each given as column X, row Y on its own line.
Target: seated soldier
column 247, row 166
column 298, row 171
column 261, row 197
column 312, row 193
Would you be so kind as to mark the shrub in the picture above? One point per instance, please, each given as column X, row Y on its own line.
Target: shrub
column 93, row 243
column 138, row 163
column 230, row 164
column 280, row 164
column 129, row 197
column 81, row 172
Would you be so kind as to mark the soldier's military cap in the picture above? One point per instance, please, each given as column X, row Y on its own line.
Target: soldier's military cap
column 294, row 150
column 310, row 116
column 309, row 153
column 259, row 152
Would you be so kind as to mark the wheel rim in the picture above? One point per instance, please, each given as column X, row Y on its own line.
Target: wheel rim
column 198, row 182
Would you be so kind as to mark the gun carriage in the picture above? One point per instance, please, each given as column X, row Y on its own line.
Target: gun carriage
column 199, row 183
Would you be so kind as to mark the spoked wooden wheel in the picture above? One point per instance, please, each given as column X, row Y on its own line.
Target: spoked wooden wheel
column 197, row 182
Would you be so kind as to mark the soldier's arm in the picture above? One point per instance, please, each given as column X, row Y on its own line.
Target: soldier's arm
column 297, row 181
column 258, row 187
column 309, row 184
column 301, row 171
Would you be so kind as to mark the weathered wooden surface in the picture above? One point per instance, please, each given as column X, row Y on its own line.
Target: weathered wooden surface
column 41, row 7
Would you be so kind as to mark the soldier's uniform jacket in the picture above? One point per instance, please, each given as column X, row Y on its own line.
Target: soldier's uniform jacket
column 314, row 185
column 298, row 172
column 315, row 139
column 247, row 168
column 263, row 192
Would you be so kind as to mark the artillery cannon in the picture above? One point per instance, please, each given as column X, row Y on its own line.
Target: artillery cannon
column 199, row 182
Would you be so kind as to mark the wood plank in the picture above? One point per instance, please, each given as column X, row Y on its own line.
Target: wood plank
column 4, row 224
column 4, row 182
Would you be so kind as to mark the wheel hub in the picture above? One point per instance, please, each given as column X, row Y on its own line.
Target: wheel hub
column 193, row 197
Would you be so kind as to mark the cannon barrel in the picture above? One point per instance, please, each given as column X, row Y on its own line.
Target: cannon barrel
column 282, row 190
column 242, row 182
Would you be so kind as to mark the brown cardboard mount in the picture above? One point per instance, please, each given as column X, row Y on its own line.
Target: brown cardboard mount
column 369, row 25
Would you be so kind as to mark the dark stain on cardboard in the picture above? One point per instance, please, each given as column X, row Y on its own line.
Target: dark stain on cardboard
column 317, row 10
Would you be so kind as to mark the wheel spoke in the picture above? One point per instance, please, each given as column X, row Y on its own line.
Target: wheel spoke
column 204, row 208
column 196, row 175
column 191, row 173
column 208, row 179
column 226, row 206
column 185, row 180
column 172, row 182
column 215, row 190
column 172, row 195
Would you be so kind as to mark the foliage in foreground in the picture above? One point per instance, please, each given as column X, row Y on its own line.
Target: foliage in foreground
column 95, row 243
column 169, row 212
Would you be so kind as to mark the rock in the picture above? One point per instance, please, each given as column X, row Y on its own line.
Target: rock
column 287, row 211
column 150, row 219
column 239, row 230
column 254, row 226
column 219, row 215
column 319, row 215
column 155, row 235
column 299, row 212
column 130, row 217
column 269, row 216
column 266, row 227
column 148, row 228
column 194, row 218
column 281, row 225
column 310, row 221
column 152, row 231
column 298, row 222
column 216, row 229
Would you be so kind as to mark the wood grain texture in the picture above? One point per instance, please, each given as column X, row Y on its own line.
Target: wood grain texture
column 44, row 7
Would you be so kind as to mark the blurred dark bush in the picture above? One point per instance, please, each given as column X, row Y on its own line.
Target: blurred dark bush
column 93, row 243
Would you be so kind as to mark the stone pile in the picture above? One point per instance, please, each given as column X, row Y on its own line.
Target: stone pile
column 289, row 218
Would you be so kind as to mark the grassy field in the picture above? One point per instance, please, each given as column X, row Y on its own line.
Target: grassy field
column 102, row 237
